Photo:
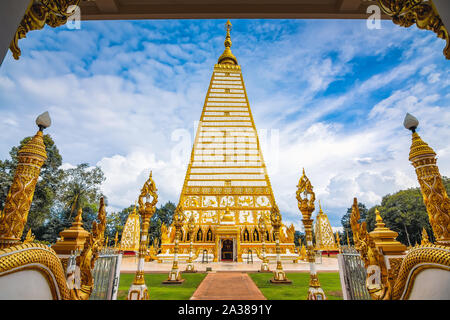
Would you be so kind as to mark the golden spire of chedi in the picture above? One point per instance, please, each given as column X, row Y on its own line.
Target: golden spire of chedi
column 227, row 56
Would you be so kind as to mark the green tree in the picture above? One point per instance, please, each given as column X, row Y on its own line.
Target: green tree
column 403, row 212
column 83, row 184
column 47, row 186
column 50, row 230
column 80, row 188
column 345, row 220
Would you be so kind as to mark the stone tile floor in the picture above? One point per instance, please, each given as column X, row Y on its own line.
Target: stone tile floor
column 328, row 265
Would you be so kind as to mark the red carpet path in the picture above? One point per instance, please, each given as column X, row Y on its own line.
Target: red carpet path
column 227, row 286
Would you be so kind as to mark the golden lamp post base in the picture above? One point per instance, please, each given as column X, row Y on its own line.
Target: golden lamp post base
column 174, row 278
column 279, row 277
column 138, row 292
column 264, row 267
column 316, row 294
column 190, row 268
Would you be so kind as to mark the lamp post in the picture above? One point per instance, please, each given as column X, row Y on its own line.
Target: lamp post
column 434, row 194
column 190, row 228
column 174, row 274
column 262, row 231
column 31, row 157
column 305, row 197
column 138, row 290
column 279, row 276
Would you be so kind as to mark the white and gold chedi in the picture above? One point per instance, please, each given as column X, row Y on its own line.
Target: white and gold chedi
column 324, row 233
column 227, row 189
column 130, row 233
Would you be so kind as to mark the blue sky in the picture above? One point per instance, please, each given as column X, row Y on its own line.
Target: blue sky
column 334, row 92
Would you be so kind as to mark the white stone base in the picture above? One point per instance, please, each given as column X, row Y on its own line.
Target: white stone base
column 316, row 294
column 138, row 292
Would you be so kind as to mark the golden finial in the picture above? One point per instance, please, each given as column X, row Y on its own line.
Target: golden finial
column 418, row 146
column 378, row 219
column 320, row 208
column 227, row 56
column 135, row 205
column 305, row 195
column 79, row 218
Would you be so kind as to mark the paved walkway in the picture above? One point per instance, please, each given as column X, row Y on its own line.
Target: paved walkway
column 328, row 265
column 227, row 286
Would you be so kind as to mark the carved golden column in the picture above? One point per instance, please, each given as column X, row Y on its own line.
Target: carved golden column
column 279, row 277
column 423, row 158
column 31, row 157
column 262, row 231
column 306, row 197
column 175, row 274
column 419, row 12
column 190, row 229
column 138, row 290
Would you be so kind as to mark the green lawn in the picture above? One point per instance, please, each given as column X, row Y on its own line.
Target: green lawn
column 159, row 291
column 298, row 290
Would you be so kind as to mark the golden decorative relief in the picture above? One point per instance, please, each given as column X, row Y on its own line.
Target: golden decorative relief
column 39, row 257
column 426, row 256
column 39, row 13
column 405, row 13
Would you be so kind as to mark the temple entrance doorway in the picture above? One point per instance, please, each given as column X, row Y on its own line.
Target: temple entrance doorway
column 227, row 253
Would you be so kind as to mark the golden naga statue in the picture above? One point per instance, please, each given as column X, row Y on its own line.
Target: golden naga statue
column 86, row 260
column 54, row 13
column 395, row 275
column 290, row 233
column 377, row 276
column 17, row 259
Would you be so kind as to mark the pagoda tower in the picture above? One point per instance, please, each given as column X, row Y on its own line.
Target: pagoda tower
column 227, row 188
column 324, row 233
column 131, row 232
